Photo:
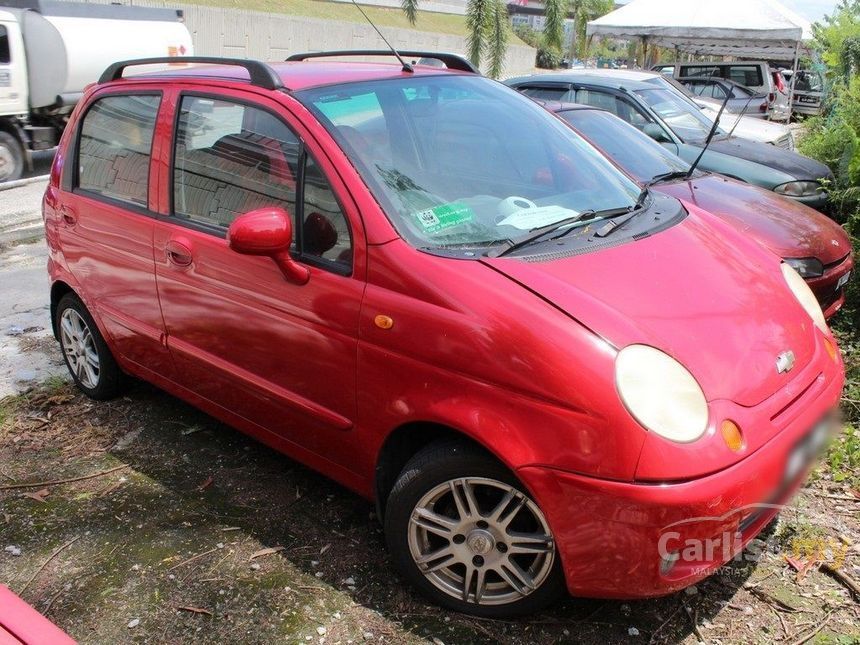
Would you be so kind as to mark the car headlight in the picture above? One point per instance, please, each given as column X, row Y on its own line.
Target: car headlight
column 804, row 295
column 660, row 393
column 798, row 188
column 806, row 267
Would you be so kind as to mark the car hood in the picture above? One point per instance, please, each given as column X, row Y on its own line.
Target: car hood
column 785, row 226
column 698, row 291
column 755, row 129
column 788, row 162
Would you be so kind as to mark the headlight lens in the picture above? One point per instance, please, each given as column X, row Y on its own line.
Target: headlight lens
column 798, row 188
column 804, row 295
column 660, row 393
column 806, row 267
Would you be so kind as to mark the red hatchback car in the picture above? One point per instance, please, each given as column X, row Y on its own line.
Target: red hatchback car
column 424, row 285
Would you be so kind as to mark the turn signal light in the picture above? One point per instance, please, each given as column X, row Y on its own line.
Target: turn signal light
column 383, row 322
column 732, row 435
column 832, row 350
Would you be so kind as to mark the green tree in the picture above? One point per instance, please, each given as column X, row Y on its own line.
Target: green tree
column 488, row 31
column 582, row 11
column 834, row 30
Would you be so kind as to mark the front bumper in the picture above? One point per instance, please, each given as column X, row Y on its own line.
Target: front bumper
column 827, row 288
column 612, row 535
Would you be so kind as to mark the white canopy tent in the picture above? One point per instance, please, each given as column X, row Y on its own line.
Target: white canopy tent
column 759, row 29
column 751, row 29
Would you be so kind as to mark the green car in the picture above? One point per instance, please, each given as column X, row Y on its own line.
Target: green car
column 671, row 119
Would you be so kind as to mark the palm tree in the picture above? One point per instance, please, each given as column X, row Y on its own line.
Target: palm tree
column 582, row 11
column 488, row 30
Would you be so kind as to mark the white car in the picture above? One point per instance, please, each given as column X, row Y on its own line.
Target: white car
column 744, row 127
column 747, row 127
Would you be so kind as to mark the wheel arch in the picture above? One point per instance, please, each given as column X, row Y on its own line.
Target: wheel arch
column 58, row 289
column 404, row 442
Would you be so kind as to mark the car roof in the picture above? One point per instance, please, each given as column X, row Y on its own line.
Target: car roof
column 630, row 79
column 295, row 75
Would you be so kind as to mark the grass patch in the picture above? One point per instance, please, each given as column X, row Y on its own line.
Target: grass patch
column 381, row 16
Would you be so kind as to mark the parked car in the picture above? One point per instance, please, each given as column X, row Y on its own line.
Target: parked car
column 20, row 624
column 756, row 75
column 666, row 116
column 743, row 127
column 742, row 100
column 814, row 245
column 480, row 322
column 808, row 91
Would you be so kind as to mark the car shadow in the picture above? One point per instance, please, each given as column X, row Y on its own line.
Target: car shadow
column 333, row 536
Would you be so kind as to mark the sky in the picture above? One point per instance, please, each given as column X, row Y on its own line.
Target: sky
column 812, row 10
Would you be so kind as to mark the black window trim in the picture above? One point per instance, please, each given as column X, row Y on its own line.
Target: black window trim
column 71, row 176
column 333, row 266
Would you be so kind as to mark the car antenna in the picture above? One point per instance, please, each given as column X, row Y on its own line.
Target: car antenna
column 406, row 66
column 710, row 136
column 741, row 115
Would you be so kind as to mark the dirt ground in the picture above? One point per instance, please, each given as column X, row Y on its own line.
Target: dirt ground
column 191, row 532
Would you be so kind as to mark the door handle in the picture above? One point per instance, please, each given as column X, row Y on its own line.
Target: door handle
column 178, row 253
column 69, row 216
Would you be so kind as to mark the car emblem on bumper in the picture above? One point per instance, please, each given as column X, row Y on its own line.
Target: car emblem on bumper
column 784, row 362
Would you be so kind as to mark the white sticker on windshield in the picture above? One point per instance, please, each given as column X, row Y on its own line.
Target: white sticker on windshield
column 529, row 218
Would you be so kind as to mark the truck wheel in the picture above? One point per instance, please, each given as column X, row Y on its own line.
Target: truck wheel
column 11, row 157
column 464, row 531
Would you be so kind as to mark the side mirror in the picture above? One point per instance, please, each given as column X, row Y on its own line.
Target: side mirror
column 267, row 231
column 656, row 132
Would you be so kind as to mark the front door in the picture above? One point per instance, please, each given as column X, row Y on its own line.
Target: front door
column 279, row 354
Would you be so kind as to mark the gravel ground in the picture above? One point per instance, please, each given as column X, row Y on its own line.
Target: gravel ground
column 191, row 532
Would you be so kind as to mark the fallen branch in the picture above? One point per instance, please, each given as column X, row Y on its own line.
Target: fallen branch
column 774, row 602
column 56, row 482
column 192, row 558
column 843, row 578
column 45, row 563
column 808, row 637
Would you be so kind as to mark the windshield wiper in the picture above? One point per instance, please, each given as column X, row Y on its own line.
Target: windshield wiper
column 613, row 224
column 537, row 233
column 666, row 176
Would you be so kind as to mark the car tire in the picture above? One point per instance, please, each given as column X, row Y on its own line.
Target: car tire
column 471, row 541
column 87, row 356
column 11, row 158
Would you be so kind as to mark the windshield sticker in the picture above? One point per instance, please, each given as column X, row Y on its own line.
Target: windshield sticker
column 439, row 218
column 528, row 218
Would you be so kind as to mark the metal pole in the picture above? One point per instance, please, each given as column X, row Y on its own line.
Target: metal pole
column 793, row 80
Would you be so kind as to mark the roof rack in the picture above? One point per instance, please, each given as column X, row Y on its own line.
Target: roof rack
column 452, row 61
column 259, row 73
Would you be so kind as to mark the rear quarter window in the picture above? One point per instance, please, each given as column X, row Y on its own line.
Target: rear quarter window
column 115, row 147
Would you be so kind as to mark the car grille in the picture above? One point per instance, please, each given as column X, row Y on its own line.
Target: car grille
column 786, row 142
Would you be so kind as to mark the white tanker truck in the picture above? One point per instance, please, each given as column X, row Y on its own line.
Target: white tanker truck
column 51, row 50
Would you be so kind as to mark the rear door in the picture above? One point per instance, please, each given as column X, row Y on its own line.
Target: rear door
column 279, row 354
column 106, row 223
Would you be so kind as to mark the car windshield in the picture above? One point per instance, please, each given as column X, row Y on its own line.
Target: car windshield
column 460, row 161
column 638, row 154
column 685, row 119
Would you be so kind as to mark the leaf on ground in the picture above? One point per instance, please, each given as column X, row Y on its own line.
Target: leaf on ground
column 800, row 565
column 263, row 552
column 191, row 430
column 206, row 483
column 39, row 495
column 195, row 610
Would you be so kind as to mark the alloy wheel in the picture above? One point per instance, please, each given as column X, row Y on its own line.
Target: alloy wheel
column 80, row 348
column 481, row 541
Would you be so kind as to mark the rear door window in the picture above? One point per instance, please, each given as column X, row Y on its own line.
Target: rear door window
column 749, row 75
column 115, row 147
column 561, row 94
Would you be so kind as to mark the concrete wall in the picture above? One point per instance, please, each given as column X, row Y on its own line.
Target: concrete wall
column 273, row 36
